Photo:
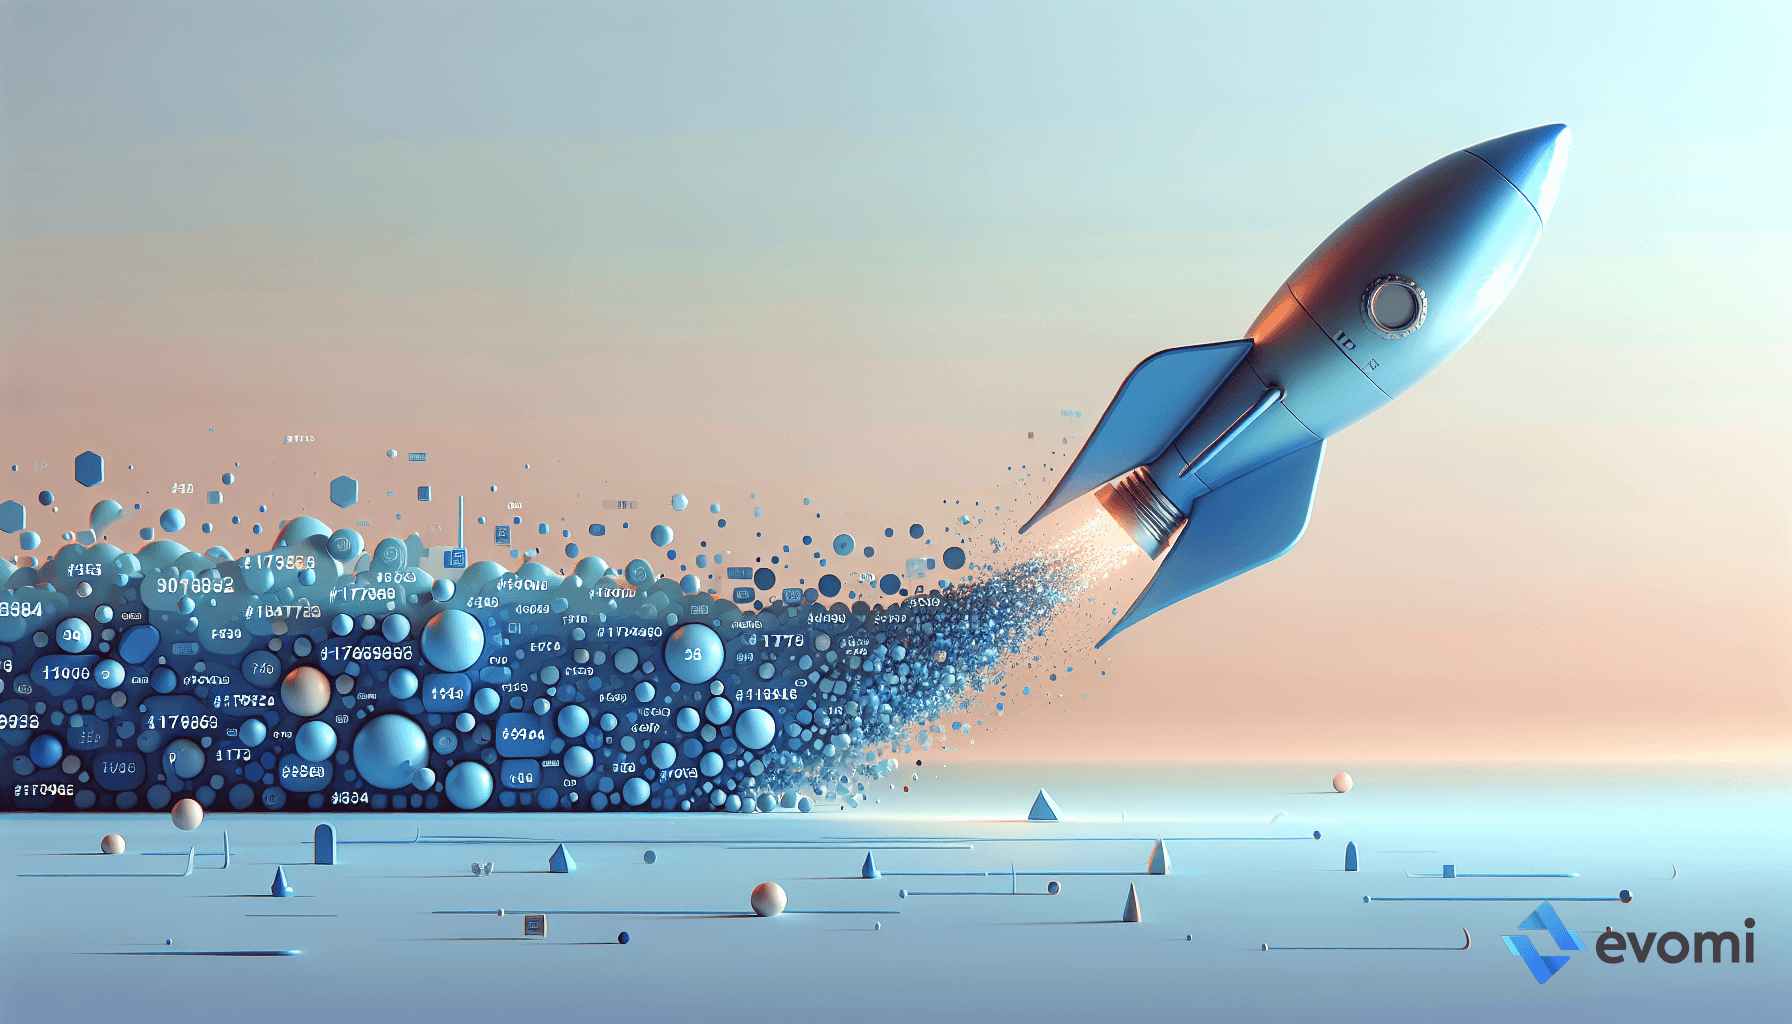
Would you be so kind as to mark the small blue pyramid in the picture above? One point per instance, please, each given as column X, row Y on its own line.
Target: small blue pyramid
column 1350, row 856
column 280, row 888
column 870, row 868
column 1044, row 808
column 561, row 862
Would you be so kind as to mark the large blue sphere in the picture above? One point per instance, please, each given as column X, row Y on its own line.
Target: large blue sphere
column 694, row 653
column 453, row 641
column 718, row 710
column 73, row 635
column 316, row 740
column 578, row 761
column 46, row 750
column 389, row 749
column 574, row 720
column 636, row 791
column 469, row 785
column 755, row 729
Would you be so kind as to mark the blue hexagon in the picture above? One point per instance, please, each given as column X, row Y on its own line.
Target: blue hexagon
column 12, row 517
column 345, row 491
column 90, row 469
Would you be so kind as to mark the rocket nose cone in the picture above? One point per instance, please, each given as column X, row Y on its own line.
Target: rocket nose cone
column 1532, row 160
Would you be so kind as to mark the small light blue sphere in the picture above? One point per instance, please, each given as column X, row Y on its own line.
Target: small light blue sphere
column 578, row 762
column 389, row 749
column 469, row 785
column 316, row 741
column 452, row 640
column 718, row 711
column 73, row 635
column 402, row 683
column 636, row 791
column 573, row 721
column 755, row 729
column 694, row 653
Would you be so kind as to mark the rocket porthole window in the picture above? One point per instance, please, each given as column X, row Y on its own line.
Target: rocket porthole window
column 1394, row 305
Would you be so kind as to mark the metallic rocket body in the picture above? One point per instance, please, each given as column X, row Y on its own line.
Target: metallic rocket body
column 1227, row 438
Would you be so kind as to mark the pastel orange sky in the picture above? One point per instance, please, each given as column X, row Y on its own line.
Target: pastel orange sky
column 864, row 281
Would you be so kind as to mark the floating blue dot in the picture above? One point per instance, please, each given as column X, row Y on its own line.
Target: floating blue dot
column 829, row 585
column 765, row 579
column 45, row 498
column 954, row 558
column 888, row 532
column 916, row 531
column 661, row 535
column 890, row 583
column 572, row 551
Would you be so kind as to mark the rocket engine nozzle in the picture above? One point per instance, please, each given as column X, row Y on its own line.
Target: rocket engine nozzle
column 1139, row 506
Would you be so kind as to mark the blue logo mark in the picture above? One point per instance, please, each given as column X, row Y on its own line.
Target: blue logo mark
column 1544, row 918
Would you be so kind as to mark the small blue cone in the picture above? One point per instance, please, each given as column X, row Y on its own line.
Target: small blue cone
column 1130, row 913
column 1350, row 856
column 280, row 888
column 561, row 862
column 323, row 844
column 870, row 868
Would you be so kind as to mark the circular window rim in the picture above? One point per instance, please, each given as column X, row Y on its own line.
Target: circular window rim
column 1368, row 311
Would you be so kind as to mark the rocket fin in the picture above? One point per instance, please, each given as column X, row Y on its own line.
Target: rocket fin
column 1252, row 520
column 1154, row 403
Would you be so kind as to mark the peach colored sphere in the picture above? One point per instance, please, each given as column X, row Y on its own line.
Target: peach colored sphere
column 305, row 691
column 1342, row 782
column 113, row 843
column 187, row 814
column 769, row 899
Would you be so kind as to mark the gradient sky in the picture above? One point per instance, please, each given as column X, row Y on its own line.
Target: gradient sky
column 856, row 251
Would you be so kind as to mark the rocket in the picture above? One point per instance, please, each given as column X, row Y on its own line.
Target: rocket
column 1224, row 441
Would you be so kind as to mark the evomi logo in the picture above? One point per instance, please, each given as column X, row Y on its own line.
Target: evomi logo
column 1615, row 947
